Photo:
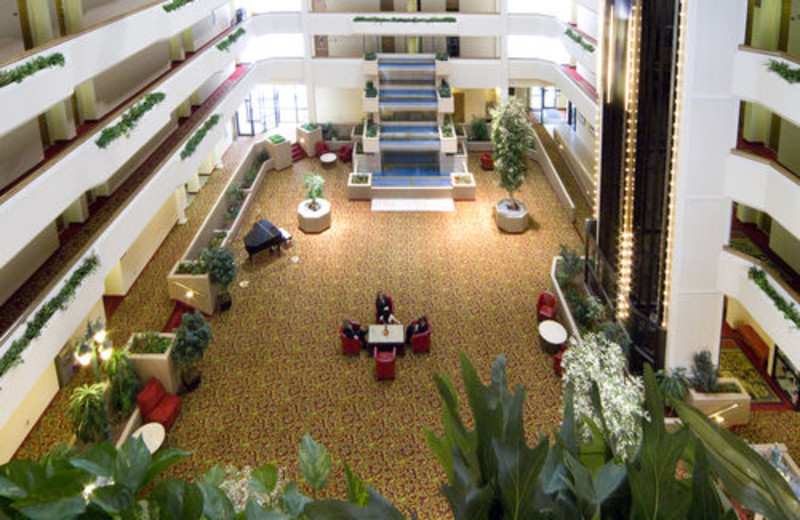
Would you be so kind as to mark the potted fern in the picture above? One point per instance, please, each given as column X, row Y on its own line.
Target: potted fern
column 723, row 398
column 222, row 271
column 314, row 213
column 512, row 136
column 88, row 412
column 191, row 340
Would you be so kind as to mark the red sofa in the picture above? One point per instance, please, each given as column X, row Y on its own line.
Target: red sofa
column 156, row 405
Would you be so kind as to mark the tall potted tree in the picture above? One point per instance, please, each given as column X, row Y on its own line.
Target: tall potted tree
column 191, row 341
column 511, row 137
column 221, row 264
column 314, row 213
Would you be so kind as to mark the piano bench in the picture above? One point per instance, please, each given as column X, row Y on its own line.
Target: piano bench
column 287, row 237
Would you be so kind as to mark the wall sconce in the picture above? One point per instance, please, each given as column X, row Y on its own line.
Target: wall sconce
column 95, row 344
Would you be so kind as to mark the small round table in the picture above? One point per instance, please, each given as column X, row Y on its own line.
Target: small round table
column 152, row 434
column 552, row 336
column 328, row 159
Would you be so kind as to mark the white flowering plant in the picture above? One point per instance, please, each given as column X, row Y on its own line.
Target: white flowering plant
column 600, row 363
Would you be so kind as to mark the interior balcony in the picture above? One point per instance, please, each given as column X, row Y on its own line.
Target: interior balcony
column 753, row 80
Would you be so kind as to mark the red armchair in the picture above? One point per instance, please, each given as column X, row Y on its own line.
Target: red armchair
column 391, row 307
column 321, row 148
column 421, row 341
column 487, row 162
column 350, row 345
column 156, row 405
column 546, row 306
column 346, row 153
column 384, row 363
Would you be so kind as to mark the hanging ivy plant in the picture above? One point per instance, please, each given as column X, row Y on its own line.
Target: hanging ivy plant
column 198, row 136
column 129, row 119
column 225, row 44
column 782, row 69
column 34, row 326
column 175, row 4
column 788, row 309
column 29, row 68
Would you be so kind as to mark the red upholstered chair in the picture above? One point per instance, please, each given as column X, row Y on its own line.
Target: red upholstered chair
column 350, row 345
column 421, row 342
column 321, row 148
column 557, row 366
column 391, row 307
column 546, row 306
column 346, row 153
column 384, row 363
column 487, row 162
column 156, row 405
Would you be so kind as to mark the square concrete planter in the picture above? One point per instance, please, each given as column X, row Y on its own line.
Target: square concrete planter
column 195, row 290
column 371, row 144
column 446, row 104
column 370, row 104
column 712, row 403
column 281, row 153
column 448, row 144
column 361, row 191
column 463, row 190
column 160, row 366
column 370, row 67
column 308, row 139
column 444, row 68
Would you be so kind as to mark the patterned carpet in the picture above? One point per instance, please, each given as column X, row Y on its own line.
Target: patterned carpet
column 274, row 369
column 735, row 363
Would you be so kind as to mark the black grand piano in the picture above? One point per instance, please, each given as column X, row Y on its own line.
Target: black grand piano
column 264, row 235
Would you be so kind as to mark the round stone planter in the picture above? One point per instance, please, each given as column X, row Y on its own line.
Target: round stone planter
column 314, row 221
column 511, row 220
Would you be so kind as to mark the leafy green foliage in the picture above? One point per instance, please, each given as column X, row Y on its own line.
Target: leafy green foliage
column 123, row 383
column 315, row 462
column 150, row 342
column 705, row 373
column 444, row 89
column 788, row 309
column 313, row 184
column 233, row 211
column 225, row 44
column 784, row 70
column 34, row 326
column 216, row 242
column 191, row 339
column 673, row 383
column 309, row 127
column 370, row 91
column 175, row 4
column 370, row 56
column 480, row 129
column 192, row 267
column 372, row 130
column 221, row 265
column 29, row 68
column 191, row 144
column 87, row 411
column 579, row 39
column 511, row 136
column 442, row 56
column 571, row 261
column 414, row 19
column 235, row 192
column 359, row 178
column 129, row 119
column 276, row 139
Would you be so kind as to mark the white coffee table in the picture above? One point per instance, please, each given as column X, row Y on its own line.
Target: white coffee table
column 394, row 336
column 552, row 336
column 328, row 159
column 152, row 434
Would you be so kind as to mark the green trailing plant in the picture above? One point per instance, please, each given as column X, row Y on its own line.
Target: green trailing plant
column 370, row 56
column 225, row 44
column 34, row 326
column 414, row 19
column 784, row 70
column 191, row 144
column 123, row 383
column 704, row 372
column 480, row 129
column 175, row 5
column 788, row 309
column 370, row 91
column 129, row 119
column 150, row 342
column 221, row 264
column 29, row 68
column 309, row 127
column 511, row 136
column 252, row 172
column 192, row 267
column 442, row 56
column 191, row 339
column 87, row 411
column 359, row 178
column 571, row 262
column 673, row 384
column 233, row 212
column 235, row 192
column 444, row 90
column 219, row 237
column 372, row 130
column 579, row 39
column 276, row 139
column 313, row 184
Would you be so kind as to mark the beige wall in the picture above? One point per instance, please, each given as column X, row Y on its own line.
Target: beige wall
column 475, row 103
column 788, row 146
column 338, row 105
column 22, row 266
column 480, row 47
column 20, row 150
column 786, row 245
column 205, row 30
column 478, row 6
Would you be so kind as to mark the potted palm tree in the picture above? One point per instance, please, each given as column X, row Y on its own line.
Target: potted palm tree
column 191, row 341
column 512, row 136
column 314, row 213
column 89, row 414
column 221, row 264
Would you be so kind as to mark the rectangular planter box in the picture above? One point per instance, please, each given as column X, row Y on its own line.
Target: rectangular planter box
column 205, row 293
column 370, row 104
column 359, row 191
column 160, row 366
column 446, row 105
column 370, row 67
column 308, row 140
column 711, row 403
column 443, row 68
column 463, row 191
column 281, row 154
column 448, row 144
column 371, row 144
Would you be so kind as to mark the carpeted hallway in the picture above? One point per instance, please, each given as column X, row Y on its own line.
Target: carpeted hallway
column 275, row 369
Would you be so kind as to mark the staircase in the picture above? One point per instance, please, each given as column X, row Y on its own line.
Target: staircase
column 298, row 153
